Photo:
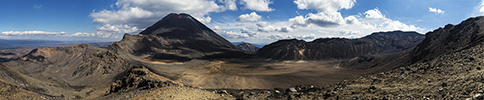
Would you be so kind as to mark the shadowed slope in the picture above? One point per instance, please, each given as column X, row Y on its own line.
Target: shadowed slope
column 341, row 48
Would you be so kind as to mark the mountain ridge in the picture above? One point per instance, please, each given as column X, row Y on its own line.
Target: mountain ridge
column 341, row 48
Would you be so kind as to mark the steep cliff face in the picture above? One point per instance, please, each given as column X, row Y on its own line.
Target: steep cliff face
column 449, row 39
column 341, row 48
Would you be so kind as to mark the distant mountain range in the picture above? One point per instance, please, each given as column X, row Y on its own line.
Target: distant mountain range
column 341, row 48
column 19, row 44
column 255, row 44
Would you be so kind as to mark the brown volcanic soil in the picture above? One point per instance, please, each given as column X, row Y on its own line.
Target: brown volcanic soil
column 253, row 73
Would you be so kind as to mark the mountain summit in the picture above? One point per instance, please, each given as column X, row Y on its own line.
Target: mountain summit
column 179, row 35
column 185, row 27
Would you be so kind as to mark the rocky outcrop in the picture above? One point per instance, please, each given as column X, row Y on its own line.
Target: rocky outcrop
column 140, row 78
column 449, row 39
column 341, row 48
column 248, row 47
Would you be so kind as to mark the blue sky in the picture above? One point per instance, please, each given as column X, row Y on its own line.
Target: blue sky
column 255, row 21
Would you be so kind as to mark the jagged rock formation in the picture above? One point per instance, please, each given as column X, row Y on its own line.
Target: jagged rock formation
column 341, row 48
column 449, row 39
column 140, row 78
column 248, row 47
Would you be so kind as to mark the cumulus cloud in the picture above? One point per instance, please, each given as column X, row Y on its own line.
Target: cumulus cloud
column 331, row 23
column 326, row 22
column 352, row 20
column 435, row 10
column 321, row 19
column 327, row 16
column 257, row 5
column 142, row 13
column 229, row 4
column 131, row 15
column 249, row 17
column 325, row 5
column 374, row 13
column 266, row 27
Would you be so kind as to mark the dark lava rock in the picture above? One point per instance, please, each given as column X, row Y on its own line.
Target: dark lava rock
column 139, row 78
column 449, row 39
column 341, row 48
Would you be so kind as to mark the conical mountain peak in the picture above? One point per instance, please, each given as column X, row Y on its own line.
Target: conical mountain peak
column 175, row 23
column 186, row 28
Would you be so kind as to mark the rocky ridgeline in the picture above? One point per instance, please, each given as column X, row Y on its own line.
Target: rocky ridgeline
column 341, row 48
column 449, row 39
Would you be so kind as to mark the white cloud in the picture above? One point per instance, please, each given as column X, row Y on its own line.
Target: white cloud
column 326, row 22
column 257, row 5
column 321, row 19
column 229, row 4
column 285, row 29
column 117, row 28
column 325, row 5
column 249, row 17
column 31, row 33
column 124, row 16
column 327, row 16
column 481, row 7
column 435, row 10
column 266, row 27
column 298, row 21
column 230, row 34
column 330, row 23
column 374, row 13
column 106, row 32
column 352, row 20
column 142, row 13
